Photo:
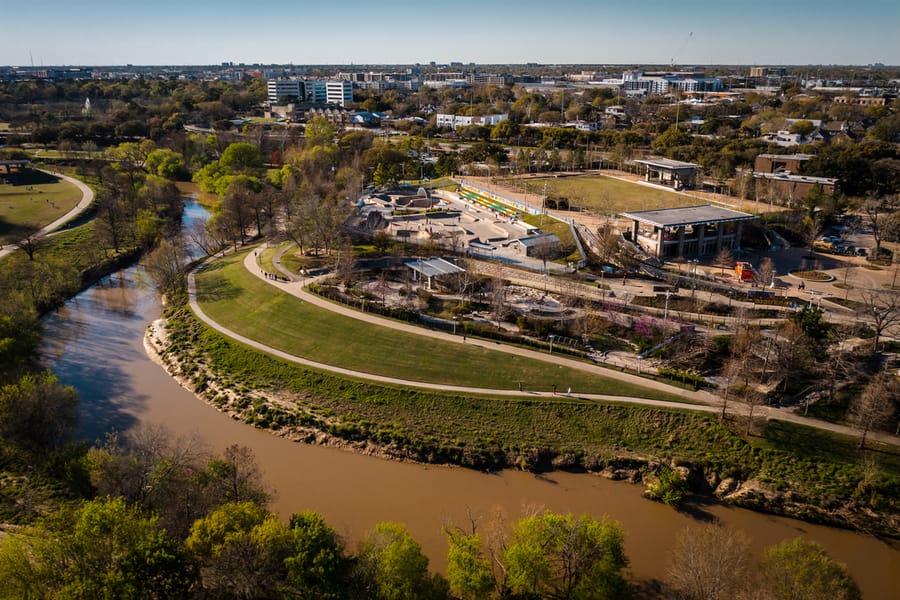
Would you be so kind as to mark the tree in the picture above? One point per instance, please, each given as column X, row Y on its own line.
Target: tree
column 316, row 565
column 884, row 307
column 38, row 413
column 802, row 570
column 166, row 265
column 240, row 548
column 236, row 477
column 391, row 566
column 27, row 238
column 878, row 210
column 874, row 406
column 102, row 549
column 564, row 556
column 709, row 562
column 166, row 163
column 468, row 569
column 725, row 258
column 319, row 131
column 765, row 273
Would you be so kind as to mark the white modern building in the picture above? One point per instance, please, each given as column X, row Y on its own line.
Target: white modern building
column 456, row 121
column 338, row 92
column 284, row 88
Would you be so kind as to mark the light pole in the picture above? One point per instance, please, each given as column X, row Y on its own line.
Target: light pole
column 454, row 325
column 550, row 337
column 666, row 311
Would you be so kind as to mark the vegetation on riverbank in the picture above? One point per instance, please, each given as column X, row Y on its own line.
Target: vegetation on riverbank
column 826, row 482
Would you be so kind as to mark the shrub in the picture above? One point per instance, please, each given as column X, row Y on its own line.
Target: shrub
column 668, row 487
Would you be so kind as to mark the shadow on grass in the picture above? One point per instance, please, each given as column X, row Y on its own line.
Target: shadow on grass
column 31, row 177
column 818, row 443
column 214, row 289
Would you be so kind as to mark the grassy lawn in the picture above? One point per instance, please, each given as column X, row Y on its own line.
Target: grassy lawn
column 35, row 197
column 602, row 194
column 255, row 309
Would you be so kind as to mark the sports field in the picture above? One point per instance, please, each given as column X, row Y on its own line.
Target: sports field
column 601, row 194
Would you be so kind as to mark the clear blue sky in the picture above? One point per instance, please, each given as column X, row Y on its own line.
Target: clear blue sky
column 761, row 32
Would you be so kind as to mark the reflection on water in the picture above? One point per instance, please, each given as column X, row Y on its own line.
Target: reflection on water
column 95, row 343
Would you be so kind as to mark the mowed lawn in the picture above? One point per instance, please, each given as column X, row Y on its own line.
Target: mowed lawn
column 602, row 194
column 241, row 302
column 36, row 198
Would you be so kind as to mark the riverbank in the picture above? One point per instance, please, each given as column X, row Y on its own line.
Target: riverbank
column 491, row 434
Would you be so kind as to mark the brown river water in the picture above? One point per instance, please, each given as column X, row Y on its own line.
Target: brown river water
column 95, row 344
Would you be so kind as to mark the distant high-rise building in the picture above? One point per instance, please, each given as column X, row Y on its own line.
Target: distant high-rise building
column 285, row 88
column 338, row 92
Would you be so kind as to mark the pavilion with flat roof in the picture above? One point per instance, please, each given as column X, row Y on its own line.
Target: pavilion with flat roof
column 678, row 174
column 687, row 232
column 429, row 269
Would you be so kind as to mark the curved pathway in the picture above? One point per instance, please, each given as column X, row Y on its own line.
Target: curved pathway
column 709, row 403
column 87, row 196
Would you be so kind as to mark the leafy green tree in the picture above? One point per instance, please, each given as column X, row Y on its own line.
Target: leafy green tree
column 319, row 131
column 391, row 566
column 316, row 564
column 166, row 163
column 103, row 549
column 564, row 556
column 239, row 547
column 37, row 413
column 468, row 569
column 242, row 157
column 802, row 570
column 674, row 136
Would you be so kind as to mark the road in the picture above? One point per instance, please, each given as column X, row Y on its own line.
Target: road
column 87, row 196
column 702, row 401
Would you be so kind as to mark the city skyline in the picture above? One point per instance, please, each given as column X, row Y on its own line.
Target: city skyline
column 100, row 32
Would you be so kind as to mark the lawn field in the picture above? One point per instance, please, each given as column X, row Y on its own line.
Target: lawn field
column 600, row 194
column 34, row 198
column 240, row 301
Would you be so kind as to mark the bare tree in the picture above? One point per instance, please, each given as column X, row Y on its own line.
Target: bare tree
column 885, row 310
column 765, row 272
column 28, row 238
column 710, row 562
column 878, row 211
column 725, row 258
column 874, row 406
column 166, row 266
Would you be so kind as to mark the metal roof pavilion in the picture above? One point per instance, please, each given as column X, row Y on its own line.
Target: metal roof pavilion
column 434, row 267
column 666, row 163
column 687, row 215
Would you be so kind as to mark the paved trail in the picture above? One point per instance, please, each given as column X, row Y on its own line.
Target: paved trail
column 702, row 401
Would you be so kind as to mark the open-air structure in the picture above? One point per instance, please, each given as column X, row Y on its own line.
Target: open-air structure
column 665, row 171
column 687, row 232
column 432, row 268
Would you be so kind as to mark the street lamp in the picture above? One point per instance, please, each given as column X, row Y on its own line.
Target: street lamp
column 454, row 324
column 550, row 337
column 666, row 311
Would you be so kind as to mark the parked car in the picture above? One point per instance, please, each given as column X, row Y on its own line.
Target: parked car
column 862, row 252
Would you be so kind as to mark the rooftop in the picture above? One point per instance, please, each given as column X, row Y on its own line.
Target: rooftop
column 666, row 163
column 687, row 215
column 434, row 267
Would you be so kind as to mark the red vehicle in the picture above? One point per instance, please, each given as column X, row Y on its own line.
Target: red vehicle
column 744, row 271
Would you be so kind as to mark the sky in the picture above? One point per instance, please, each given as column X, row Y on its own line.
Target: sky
column 679, row 32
